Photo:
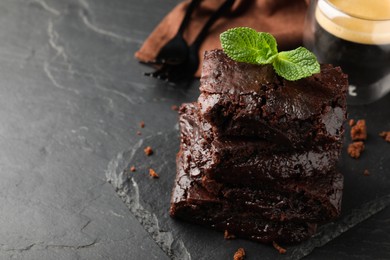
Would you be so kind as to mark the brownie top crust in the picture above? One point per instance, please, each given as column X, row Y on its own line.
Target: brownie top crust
column 220, row 74
column 298, row 99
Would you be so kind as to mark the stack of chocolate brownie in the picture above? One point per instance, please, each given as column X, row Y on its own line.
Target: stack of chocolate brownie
column 258, row 153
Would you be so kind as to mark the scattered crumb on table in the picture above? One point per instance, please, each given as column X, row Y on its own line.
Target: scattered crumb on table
column 142, row 124
column 385, row 135
column 280, row 249
column 239, row 254
column 359, row 131
column 228, row 236
column 132, row 168
column 366, row 173
column 148, row 150
column 355, row 149
column 152, row 173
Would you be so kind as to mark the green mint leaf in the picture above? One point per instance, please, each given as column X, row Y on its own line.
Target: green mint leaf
column 296, row 64
column 269, row 48
column 246, row 45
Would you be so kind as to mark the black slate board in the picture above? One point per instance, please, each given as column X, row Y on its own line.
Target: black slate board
column 72, row 96
column 148, row 199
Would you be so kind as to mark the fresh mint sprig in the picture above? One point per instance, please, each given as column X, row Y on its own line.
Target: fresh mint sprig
column 244, row 44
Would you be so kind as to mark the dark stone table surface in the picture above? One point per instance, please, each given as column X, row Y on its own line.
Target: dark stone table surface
column 71, row 99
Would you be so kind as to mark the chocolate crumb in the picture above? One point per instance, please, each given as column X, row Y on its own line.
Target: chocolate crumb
column 139, row 133
column 366, row 172
column 351, row 122
column 142, row 124
column 239, row 254
column 359, row 131
column 152, row 173
column 132, row 168
column 355, row 149
column 280, row 249
column 228, row 236
column 175, row 108
column 385, row 135
column 148, row 150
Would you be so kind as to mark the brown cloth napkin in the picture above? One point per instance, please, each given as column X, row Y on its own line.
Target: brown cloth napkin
column 282, row 18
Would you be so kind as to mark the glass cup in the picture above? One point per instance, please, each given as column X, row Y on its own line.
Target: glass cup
column 355, row 35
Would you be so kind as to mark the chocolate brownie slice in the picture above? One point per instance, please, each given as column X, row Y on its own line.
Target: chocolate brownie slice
column 247, row 162
column 311, row 199
column 191, row 202
column 240, row 99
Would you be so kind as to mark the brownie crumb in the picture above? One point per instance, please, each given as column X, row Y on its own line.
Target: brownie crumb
column 351, row 122
column 385, row 135
column 239, row 254
column 175, row 108
column 132, row 168
column 359, row 131
column 142, row 124
column 228, row 236
column 366, row 172
column 355, row 149
column 280, row 249
column 148, row 150
column 139, row 133
column 153, row 174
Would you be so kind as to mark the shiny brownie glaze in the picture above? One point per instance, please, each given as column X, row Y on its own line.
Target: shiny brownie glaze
column 240, row 99
column 191, row 202
column 247, row 162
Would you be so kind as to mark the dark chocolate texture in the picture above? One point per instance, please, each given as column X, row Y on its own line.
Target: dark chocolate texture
column 311, row 199
column 326, row 195
column 239, row 99
column 191, row 202
column 243, row 161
